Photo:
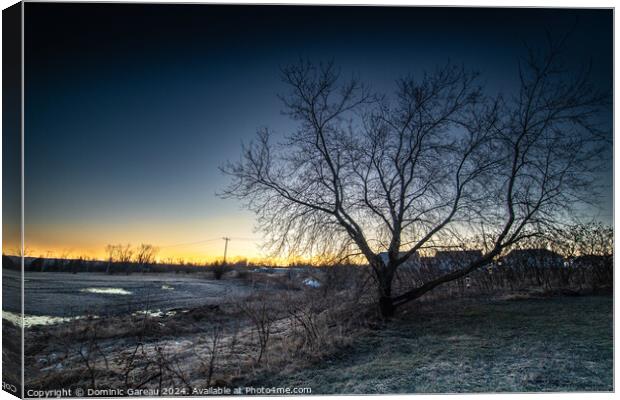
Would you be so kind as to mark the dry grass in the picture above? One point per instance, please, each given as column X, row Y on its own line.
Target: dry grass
column 551, row 344
column 214, row 345
column 11, row 356
column 327, row 338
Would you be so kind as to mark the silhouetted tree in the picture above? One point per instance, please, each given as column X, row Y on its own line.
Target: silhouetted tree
column 145, row 255
column 435, row 164
column 119, row 253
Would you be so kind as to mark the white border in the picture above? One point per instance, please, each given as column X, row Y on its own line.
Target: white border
column 444, row 3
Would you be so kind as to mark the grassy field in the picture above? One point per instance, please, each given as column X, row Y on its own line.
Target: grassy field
column 554, row 344
column 264, row 330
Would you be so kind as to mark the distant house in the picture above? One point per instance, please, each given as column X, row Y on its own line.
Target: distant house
column 534, row 258
column 412, row 262
column 447, row 260
column 591, row 260
column 427, row 262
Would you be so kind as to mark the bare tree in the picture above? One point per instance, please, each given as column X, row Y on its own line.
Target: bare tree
column 145, row 255
column 434, row 165
column 110, row 250
column 119, row 253
column 587, row 246
column 592, row 238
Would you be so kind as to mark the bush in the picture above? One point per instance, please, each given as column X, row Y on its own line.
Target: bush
column 218, row 271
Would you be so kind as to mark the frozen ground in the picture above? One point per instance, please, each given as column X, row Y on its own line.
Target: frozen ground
column 537, row 345
column 66, row 295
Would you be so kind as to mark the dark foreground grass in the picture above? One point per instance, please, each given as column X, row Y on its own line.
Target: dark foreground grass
column 554, row 344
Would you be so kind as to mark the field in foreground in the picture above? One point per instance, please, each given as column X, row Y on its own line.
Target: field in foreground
column 551, row 344
column 270, row 330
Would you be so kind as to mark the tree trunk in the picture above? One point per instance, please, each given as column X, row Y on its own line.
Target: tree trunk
column 386, row 304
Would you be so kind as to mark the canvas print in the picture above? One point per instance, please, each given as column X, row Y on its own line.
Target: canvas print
column 206, row 199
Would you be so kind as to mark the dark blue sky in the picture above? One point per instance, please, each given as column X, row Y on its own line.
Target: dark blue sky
column 130, row 109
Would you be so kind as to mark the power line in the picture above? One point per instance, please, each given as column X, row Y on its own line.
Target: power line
column 189, row 243
column 209, row 240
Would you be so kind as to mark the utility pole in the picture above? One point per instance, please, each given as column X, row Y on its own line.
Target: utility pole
column 226, row 239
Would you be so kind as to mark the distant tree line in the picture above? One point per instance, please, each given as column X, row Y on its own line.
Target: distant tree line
column 120, row 258
column 580, row 244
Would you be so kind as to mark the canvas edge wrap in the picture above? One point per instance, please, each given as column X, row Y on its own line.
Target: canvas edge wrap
column 12, row 194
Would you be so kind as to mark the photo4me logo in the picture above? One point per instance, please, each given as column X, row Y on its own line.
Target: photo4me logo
column 250, row 390
column 269, row 391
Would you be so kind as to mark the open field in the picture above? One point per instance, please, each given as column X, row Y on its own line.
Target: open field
column 66, row 295
column 256, row 331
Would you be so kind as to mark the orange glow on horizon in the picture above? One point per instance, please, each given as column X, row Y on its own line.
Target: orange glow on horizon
column 210, row 253
column 190, row 239
column 167, row 257
column 172, row 255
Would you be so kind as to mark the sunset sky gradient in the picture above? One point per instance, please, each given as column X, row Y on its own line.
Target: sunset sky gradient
column 131, row 109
